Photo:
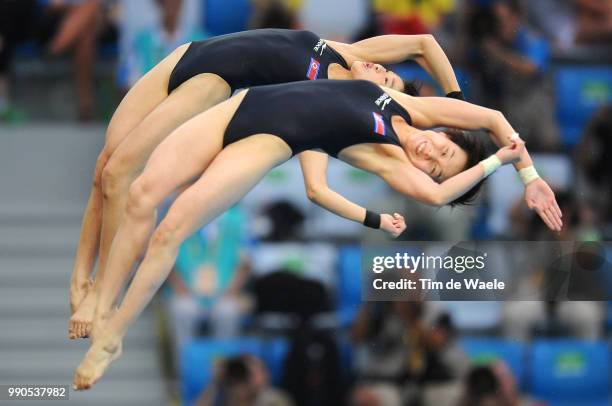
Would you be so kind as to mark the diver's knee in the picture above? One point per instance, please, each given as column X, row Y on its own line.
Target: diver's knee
column 140, row 201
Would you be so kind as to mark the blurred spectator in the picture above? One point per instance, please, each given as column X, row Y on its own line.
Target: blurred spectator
column 594, row 21
column 272, row 14
column 284, row 219
column 155, row 40
column 290, row 294
column 444, row 360
column 594, row 164
column 242, row 381
column 380, row 352
column 15, row 26
column 579, row 223
column 75, row 26
column 62, row 25
column 555, row 19
column 490, row 386
column 515, row 64
column 570, row 22
column 581, row 319
column 312, row 372
column 401, row 347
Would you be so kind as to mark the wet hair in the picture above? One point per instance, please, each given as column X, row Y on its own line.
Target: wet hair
column 412, row 87
column 475, row 150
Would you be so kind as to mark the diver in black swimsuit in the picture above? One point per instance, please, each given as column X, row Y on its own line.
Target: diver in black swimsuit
column 326, row 115
column 258, row 57
column 196, row 77
column 236, row 143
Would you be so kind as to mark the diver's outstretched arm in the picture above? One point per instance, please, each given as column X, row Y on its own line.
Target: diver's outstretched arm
column 428, row 112
column 416, row 184
column 314, row 167
column 423, row 49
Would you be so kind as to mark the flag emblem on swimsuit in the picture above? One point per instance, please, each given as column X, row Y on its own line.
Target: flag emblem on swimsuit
column 379, row 124
column 313, row 69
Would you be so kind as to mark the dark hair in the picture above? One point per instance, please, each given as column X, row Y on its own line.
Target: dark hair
column 480, row 383
column 236, row 371
column 445, row 322
column 412, row 87
column 475, row 150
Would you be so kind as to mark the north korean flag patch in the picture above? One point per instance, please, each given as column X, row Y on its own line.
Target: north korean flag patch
column 379, row 124
column 313, row 69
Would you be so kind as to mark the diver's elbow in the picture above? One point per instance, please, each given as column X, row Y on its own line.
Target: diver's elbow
column 436, row 199
column 314, row 192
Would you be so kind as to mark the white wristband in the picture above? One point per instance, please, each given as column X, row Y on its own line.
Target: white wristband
column 490, row 164
column 528, row 175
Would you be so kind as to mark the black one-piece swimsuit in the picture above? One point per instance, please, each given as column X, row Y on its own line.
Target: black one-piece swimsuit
column 325, row 114
column 257, row 57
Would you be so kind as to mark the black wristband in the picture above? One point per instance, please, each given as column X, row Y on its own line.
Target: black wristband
column 456, row 95
column 372, row 219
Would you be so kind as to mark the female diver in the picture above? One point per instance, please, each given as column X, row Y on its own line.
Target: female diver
column 230, row 147
column 196, row 77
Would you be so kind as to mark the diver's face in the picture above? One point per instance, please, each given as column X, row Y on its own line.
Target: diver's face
column 435, row 154
column 376, row 73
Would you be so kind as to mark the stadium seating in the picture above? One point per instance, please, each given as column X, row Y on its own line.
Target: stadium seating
column 273, row 352
column 580, row 90
column 198, row 357
column 349, row 284
column 487, row 350
column 570, row 372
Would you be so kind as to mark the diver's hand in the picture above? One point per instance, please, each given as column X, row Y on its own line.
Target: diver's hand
column 393, row 224
column 540, row 197
column 512, row 153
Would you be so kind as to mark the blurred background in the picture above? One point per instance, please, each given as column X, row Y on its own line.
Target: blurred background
column 263, row 306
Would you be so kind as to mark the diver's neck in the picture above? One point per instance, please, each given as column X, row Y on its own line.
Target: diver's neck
column 404, row 131
column 336, row 71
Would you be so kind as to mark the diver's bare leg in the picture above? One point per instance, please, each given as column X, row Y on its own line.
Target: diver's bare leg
column 194, row 96
column 233, row 172
column 144, row 96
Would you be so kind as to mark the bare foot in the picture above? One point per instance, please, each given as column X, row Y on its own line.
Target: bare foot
column 101, row 353
column 78, row 291
column 80, row 322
